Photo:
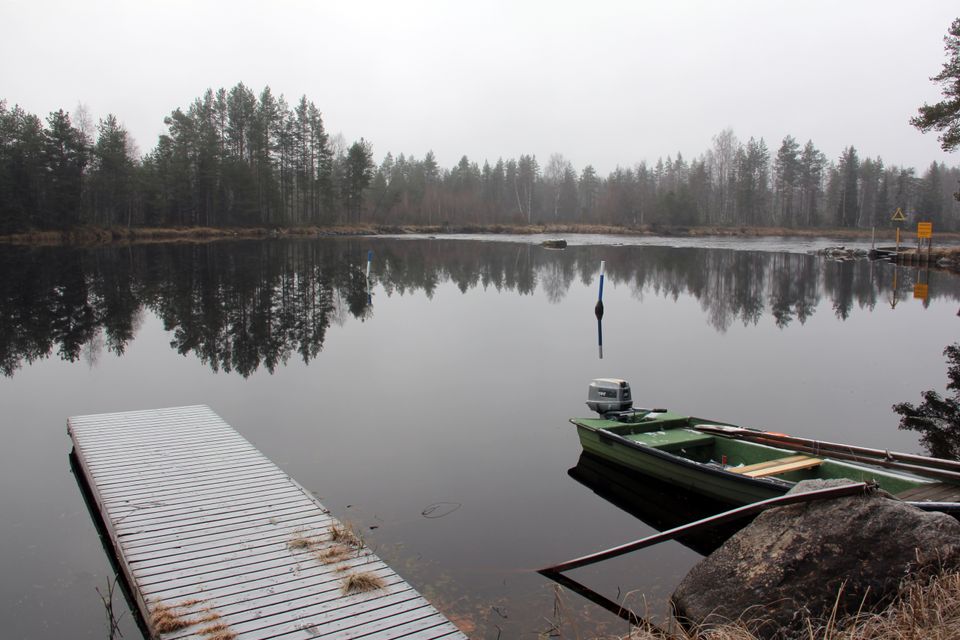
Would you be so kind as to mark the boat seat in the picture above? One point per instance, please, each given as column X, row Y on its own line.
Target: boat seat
column 672, row 439
column 777, row 466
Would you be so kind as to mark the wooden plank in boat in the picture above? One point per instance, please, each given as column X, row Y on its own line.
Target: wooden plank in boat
column 777, row 466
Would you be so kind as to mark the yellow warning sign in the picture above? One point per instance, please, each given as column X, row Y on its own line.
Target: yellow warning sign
column 924, row 230
column 898, row 215
column 920, row 291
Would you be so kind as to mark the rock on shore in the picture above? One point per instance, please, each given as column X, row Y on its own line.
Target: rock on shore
column 802, row 560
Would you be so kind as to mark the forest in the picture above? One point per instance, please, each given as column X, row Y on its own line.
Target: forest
column 234, row 158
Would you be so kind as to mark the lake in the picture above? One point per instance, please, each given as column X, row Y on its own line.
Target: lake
column 428, row 406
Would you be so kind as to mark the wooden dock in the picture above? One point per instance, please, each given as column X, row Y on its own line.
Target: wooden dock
column 217, row 543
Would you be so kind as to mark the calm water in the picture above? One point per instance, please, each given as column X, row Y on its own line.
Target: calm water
column 431, row 410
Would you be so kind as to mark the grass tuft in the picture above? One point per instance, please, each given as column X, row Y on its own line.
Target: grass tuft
column 165, row 618
column 211, row 616
column 217, row 631
column 186, row 604
column 301, row 542
column 344, row 534
column 362, row 582
column 333, row 554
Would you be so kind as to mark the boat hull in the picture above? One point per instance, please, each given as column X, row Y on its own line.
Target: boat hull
column 701, row 478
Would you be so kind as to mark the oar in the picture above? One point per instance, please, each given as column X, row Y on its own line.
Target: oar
column 848, row 452
column 941, row 474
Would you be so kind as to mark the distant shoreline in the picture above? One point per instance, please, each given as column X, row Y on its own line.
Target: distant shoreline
column 87, row 236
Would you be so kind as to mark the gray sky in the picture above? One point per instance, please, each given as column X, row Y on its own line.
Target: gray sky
column 602, row 82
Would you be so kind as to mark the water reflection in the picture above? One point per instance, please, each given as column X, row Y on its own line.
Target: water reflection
column 126, row 594
column 245, row 305
column 659, row 505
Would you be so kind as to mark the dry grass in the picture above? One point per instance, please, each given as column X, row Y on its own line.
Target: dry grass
column 218, row 631
column 362, row 582
column 922, row 611
column 166, row 618
column 928, row 611
column 93, row 235
column 334, row 554
column 300, row 541
column 211, row 616
column 345, row 535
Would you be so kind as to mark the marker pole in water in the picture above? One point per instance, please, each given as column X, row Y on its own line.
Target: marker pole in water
column 369, row 260
column 600, row 337
column 598, row 310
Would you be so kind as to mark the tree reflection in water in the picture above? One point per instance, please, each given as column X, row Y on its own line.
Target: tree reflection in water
column 239, row 306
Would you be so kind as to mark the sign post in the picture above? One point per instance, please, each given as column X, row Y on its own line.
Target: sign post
column 898, row 217
column 924, row 232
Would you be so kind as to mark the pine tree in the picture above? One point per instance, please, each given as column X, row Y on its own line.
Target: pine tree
column 944, row 116
column 358, row 171
column 812, row 165
column 931, row 196
column 848, row 207
column 112, row 175
column 66, row 160
column 589, row 189
column 786, row 170
column 937, row 418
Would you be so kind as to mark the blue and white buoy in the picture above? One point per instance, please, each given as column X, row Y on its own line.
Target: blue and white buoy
column 598, row 310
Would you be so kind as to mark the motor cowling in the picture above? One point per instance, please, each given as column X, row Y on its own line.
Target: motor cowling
column 607, row 395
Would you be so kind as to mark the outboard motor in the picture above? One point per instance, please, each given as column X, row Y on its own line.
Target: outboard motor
column 609, row 395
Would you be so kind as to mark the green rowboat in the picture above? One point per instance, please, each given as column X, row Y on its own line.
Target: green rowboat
column 738, row 466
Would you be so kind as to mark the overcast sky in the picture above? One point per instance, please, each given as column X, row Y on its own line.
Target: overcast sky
column 602, row 82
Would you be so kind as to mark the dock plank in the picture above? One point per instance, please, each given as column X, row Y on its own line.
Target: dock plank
column 208, row 529
column 269, row 577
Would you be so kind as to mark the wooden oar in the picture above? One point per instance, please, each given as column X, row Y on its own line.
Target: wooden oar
column 941, row 474
column 881, row 457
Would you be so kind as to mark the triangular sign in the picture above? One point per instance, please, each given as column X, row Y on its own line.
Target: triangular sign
column 898, row 215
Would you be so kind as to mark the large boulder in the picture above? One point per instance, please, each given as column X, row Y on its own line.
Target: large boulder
column 801, row 561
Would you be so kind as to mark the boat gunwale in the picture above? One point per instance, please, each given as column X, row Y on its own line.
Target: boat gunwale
column 702, row 467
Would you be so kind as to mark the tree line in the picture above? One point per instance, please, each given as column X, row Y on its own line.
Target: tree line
column 237, row 158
